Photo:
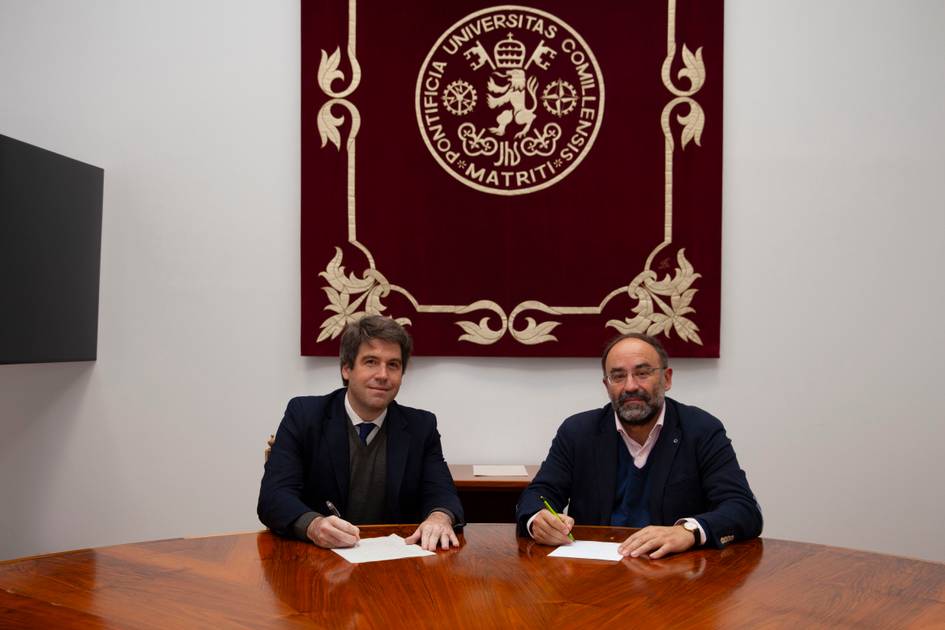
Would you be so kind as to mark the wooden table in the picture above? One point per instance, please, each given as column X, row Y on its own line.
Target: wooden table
column 494, row 580
column 489, row 499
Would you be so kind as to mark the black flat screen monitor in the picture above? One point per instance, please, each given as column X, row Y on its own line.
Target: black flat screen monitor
column 50, row 246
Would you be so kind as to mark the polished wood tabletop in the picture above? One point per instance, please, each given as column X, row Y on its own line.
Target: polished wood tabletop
column 494, row 580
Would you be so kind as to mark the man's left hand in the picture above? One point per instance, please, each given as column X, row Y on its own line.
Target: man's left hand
column 656, row 541
column 437, row 529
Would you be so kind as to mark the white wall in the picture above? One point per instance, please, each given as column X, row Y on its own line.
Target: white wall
column 834, row 223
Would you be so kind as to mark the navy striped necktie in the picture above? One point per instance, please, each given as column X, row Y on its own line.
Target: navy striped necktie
column 364, row 430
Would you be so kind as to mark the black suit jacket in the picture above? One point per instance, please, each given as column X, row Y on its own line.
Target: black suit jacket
column 694, row 474
column 309, row 464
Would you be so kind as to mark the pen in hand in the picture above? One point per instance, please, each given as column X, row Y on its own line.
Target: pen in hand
column 557, row 516
column 335, row 512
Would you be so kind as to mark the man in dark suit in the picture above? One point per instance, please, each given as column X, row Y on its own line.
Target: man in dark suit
column 357, row 453
column 642, row 461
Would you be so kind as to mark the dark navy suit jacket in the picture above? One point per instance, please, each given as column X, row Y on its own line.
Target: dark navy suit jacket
column 694, row 474
column 309, row 464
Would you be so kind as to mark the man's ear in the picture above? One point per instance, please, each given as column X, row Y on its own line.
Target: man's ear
column 668, row 378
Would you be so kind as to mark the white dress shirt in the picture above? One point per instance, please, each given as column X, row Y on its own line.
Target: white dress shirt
column 356, row 420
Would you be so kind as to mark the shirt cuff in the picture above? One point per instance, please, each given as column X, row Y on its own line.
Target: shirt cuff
column 702, row 537
column 528, row 524
column 300, row 526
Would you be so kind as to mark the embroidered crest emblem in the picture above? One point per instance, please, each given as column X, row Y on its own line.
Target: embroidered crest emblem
column 509, row 100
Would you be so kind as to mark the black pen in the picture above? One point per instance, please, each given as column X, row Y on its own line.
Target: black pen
column 333, row 509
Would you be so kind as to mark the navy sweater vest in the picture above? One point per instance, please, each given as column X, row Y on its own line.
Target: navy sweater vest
column 631, row 501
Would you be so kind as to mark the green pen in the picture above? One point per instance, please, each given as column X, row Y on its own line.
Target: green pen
column 557, row 516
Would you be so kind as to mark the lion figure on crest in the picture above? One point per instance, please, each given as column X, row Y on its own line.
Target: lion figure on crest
column 513, row 93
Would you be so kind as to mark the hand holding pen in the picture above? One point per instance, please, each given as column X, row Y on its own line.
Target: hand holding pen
column 333, row 531
column 551, row 528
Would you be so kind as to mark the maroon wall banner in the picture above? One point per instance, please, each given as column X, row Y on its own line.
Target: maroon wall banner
column 513, row 180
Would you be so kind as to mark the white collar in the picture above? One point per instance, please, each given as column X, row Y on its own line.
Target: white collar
column 356, row 419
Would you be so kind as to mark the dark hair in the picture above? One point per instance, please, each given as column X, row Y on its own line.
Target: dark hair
column 372, row 327
column 653, row 341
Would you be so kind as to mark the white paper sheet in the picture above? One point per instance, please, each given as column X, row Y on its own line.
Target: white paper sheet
column 384, row 548
column 588, row 550
column 499, row 471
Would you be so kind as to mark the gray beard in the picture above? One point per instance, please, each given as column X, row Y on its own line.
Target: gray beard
column 637, row 415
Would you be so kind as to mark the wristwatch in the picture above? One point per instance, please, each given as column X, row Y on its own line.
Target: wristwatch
column 690, row 526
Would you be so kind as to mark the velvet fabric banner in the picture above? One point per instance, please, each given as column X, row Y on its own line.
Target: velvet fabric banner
column 513, row 180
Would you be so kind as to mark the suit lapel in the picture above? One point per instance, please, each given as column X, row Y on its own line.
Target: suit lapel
column 336, row 434
column 664, row 452
column 605, row 451
column 398, row 444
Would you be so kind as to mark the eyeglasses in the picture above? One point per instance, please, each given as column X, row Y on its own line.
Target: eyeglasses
column 640, row 374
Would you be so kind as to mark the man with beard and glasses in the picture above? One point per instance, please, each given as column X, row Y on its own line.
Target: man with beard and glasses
column 644, row 461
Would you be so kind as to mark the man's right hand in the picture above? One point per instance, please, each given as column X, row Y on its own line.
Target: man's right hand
column 548, row 529
column 331, row 531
